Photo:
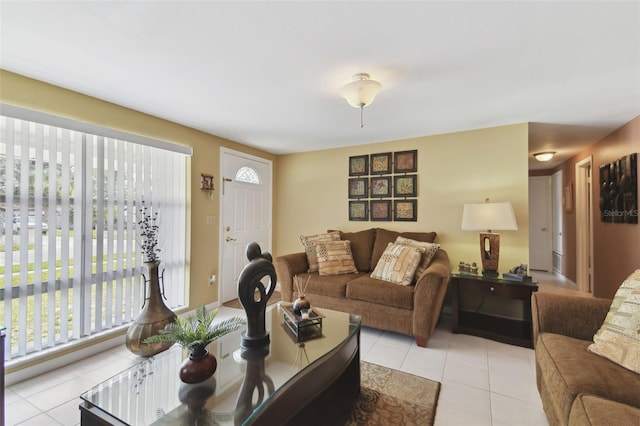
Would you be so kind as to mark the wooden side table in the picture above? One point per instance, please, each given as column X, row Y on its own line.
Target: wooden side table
column 493, row 308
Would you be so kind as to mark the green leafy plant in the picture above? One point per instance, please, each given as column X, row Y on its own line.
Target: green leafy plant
column 196, row 331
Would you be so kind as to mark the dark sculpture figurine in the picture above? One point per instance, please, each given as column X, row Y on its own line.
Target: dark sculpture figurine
column 254, row 296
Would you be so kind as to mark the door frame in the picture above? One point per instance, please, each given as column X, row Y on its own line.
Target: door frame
column 221, row 245
column 584, row 225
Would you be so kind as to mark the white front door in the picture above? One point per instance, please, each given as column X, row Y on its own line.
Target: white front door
column 540, row 232
column 246, row 214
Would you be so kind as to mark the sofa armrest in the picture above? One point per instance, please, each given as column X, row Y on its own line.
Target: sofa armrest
column 573, row 316
column 287, row 267
column 430, row 291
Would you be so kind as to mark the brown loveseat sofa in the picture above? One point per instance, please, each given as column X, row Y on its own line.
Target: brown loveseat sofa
column 578, row 387
column 413, row 310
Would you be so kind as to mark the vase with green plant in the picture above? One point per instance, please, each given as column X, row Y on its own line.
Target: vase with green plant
column 155, row 314
column 194, row 333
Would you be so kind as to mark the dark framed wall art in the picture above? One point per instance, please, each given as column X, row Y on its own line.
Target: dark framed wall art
column 381, row 187
column 380, row 210
column 359, row 210
column 405, row 210
column 405, row 186
column 358, row 187
column 405, row 161
column 359, row 165
column 381, row 163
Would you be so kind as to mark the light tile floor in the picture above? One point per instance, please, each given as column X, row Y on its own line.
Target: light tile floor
column 483, row 382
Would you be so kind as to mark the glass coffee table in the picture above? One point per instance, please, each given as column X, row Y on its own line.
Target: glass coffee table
column 310, row 382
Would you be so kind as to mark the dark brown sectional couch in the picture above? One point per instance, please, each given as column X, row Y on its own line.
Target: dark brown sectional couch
column 412, row 310
column 578, row 387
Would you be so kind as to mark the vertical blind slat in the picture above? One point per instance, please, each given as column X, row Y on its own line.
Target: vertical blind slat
column 52, row 159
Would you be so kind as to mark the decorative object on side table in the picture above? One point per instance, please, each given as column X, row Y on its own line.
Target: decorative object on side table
column 301, row 303
column 194, row 333
column 489, row 217
column 155, row 315
column 253, row 294
column 518, row 273
column 466, row 268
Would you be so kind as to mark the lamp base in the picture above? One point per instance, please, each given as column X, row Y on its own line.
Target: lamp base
column 489, row 253
column 490, row 274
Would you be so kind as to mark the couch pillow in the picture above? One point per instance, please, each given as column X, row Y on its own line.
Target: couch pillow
column 398, row 264
column 384, row 237
column 335, row 258
column 430, row 250
column 361, row 247
column 619, row 337
column 309, row 243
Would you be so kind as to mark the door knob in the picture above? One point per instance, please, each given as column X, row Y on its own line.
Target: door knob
column 229, row 239
column 544, row 229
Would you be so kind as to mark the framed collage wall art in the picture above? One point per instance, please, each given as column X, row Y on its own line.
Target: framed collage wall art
column 383, row 186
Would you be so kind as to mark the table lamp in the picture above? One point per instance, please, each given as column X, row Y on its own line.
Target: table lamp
column 489, row 217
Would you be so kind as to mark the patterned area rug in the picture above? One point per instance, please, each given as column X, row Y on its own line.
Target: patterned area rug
column 391, row 397
column 235, row 303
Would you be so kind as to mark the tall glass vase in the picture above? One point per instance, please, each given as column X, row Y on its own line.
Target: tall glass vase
column 153, row 317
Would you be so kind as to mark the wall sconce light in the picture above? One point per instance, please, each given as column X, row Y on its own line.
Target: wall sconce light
column 206, row 183
column 544, row 156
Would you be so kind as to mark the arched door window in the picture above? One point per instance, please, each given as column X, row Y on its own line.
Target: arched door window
column 248, row 175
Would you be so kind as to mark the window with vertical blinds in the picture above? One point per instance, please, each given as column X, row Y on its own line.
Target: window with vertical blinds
column 70, row 266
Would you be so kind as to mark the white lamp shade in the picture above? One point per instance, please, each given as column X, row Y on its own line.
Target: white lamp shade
column 360, row 92
column 489, row 217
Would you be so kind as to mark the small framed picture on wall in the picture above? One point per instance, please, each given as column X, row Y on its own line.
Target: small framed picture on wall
column 405, row 161
column 381, row 187
column 380, row 210
column 405, row 210
column 359, row 210
column 405, row 186
column 358, row 187
column 381, row 163
column 359, row 165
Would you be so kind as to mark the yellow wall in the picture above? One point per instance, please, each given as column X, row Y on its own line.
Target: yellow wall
column 453, row 169
column 203, row 259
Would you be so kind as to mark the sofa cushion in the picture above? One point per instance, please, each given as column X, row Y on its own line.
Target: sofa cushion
column 593, row 410
column 327, row 285
column 430, row 250
column 398, row 264
column 384, row 237
column 619, row 339
column 335, row 258
column 309, row 243
column 361, row 247
column 567, row 369
column 385, row 293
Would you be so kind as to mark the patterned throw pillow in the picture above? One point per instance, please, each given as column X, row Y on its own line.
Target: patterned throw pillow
column 335, row 258
column 619, row 337
column 398, row 264
column 309, row 243
column 430, row 250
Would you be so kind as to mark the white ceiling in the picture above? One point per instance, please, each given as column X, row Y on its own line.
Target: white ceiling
column 267, row 74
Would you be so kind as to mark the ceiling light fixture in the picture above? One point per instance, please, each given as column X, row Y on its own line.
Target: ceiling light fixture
column 544, row 156
column 361, row 92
